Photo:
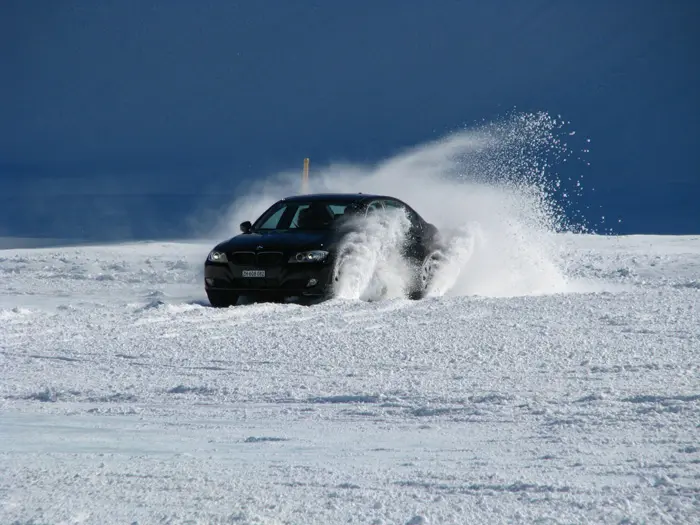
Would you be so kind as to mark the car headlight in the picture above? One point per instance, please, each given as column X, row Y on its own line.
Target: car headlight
column 217, row 257
column 313, row 256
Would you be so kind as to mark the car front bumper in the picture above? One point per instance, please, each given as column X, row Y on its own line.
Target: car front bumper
column 291, row 279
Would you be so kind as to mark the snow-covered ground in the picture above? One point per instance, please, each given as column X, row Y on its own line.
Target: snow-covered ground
column 125, row 398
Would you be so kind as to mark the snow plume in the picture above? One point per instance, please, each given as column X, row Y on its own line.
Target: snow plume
column 369, row 263
column 492, row 191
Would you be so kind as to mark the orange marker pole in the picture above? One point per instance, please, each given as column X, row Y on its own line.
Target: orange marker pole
column 305, row 177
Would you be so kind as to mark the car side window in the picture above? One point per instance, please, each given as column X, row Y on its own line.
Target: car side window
column 374, row 207
column 295, row 219
column 412, row 216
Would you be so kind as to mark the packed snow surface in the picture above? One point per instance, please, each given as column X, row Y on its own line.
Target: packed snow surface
column 125, row 398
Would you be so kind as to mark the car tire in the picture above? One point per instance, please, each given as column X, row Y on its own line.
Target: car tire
column 219, row 299
column 426, row 273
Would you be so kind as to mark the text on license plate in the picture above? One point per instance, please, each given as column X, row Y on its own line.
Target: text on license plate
column 253, row 273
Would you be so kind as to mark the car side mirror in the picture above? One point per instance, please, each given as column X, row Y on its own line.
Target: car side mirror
column 246, row 227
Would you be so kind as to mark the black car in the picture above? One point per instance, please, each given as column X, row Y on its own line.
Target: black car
column 291, row 250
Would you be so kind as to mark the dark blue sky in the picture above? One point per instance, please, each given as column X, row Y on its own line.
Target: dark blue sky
column 120, row 118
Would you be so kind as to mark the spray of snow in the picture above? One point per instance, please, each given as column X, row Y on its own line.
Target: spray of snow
column 369, row 263
column 490, row 191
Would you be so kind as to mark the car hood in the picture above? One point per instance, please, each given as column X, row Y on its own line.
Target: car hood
column 279, row 241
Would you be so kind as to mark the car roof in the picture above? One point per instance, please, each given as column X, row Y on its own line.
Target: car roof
column 349, row 197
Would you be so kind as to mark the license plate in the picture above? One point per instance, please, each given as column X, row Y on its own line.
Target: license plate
column 253, row 273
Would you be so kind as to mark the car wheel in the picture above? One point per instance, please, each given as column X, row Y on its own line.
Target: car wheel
column 426, row 273
column 219, row 299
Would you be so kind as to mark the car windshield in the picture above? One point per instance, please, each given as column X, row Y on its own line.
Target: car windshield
column 300, row 215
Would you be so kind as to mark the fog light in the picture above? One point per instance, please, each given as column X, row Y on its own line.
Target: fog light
column 312, row 282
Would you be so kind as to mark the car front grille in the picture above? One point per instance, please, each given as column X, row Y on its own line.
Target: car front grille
column 243, row 258
column 260, row 259
column 270, row 258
